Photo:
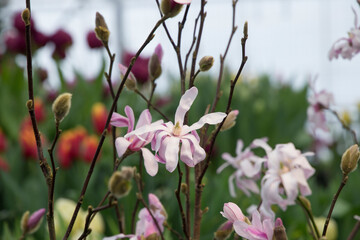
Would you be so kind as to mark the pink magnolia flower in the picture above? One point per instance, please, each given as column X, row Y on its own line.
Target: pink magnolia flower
column 257, row 230
column 168, row 136
column 248, row 167
column 140, row 67
column 286, row 177
column 318, row 101
column 348, row 47
column 135, row 143
column 146, row 225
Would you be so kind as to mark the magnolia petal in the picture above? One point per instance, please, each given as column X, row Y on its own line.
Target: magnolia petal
column 199, row 153
column 146, row 128
column 130, row 114
column 150, row 162
column 222, row 167
column 231, row 185
column 172, row 153
column 159, row 139
column 183, row 1
column 268, row 226
column 159, row 52
column 118, row 120
column 186, row 153
column 290, row 184
column 184, row 105
column 232, row 212
column 121, row 145
column 144, row 119
column 239, row 147
column 211, row 118
column 241, row 229
column 123, row 71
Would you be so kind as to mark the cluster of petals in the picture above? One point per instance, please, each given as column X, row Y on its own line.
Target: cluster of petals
column 146, row 225
column 168, row 136
column 318, row 101
column 258, row 229
column 135, row 143
column 248, row 168
column 286, row 176
column 348, row 47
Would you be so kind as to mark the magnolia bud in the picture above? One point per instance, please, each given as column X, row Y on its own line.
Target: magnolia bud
column 155, row 63
column 119, row 186
column 224, row 231
column 31, row 223
column 279, row 230
column 184, row 188
column 170, row 8
column 25, row 15
column 206, row 63
column 246, row 29
column 350, row 159
column 101, row 29
column 305, row 202
column 131, row 80
column 61, row 106
column 230, row 120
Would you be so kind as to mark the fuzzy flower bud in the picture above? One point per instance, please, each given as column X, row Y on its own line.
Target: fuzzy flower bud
column 25, row 15
column 230, row 120
column 279, row 231
column 131, row 80
column 61, row 106
column 170, row 8
column 224, row 231
column 155, row 63
column 350, row 159
column 119, row 183
column 206, row 63
column 31, row 223
column 101, row 29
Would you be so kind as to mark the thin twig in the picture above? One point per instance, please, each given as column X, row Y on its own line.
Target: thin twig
column 310, row 219
column 181, row 208
column 345, row 126
column 91, row 169
column 176, row 233
column 354, row 231
column 150, row 104
column 342, row 184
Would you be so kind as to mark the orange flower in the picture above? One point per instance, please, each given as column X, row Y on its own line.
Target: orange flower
column 69, row 145
column 39, row 108
column 88, row 148
column 27, row 139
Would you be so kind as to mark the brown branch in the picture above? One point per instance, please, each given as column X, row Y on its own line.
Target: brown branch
column 354, row 231
column 181, row 208
column 310, row 219
column 150, row 104
column 91, row 169
column 342, row 184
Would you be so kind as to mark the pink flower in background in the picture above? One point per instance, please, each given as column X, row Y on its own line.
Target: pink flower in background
column 146, row 226
column 248, row 167
column 35, row 218
column 258, row 229
column 62, row 41
column 140, row 68
column 168, row 136
column 286, row 177
column 136, row 143
column 348, row 47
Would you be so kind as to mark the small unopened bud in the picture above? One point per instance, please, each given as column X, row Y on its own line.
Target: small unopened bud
column 61, row 106
column 119, row 186
column 184, row 188
column 305, row 202
column 31, row 223
column 206, row 63
column 25, row 15
column 350, row 159
column 101, row 29
column 170, row 8
column 224, row 231
column 279, row 230
column 230, row 120
column 128, row 172
column 131, row 80
column 153, row 236
column 246, row 29
column 155, row 63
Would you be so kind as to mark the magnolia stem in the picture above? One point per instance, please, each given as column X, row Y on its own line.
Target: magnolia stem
column 342, row 184
column 354, row 231
column 310, row 216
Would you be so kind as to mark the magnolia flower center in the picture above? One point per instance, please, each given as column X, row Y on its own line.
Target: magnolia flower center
column 284, row 168
column 177, row 129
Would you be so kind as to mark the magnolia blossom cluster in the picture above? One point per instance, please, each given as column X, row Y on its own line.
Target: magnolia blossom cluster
column 165, row 138
column 146, row 225
column 347, row 47
column 260, row 227
column 286, row 173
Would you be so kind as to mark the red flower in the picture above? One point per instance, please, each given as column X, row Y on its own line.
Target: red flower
column 140, row 68
column 27, row 139
column 3, row 142
column 93, row 41
column 39, row 108
column 99, row 116
column 62, row 41
column 4, row 165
